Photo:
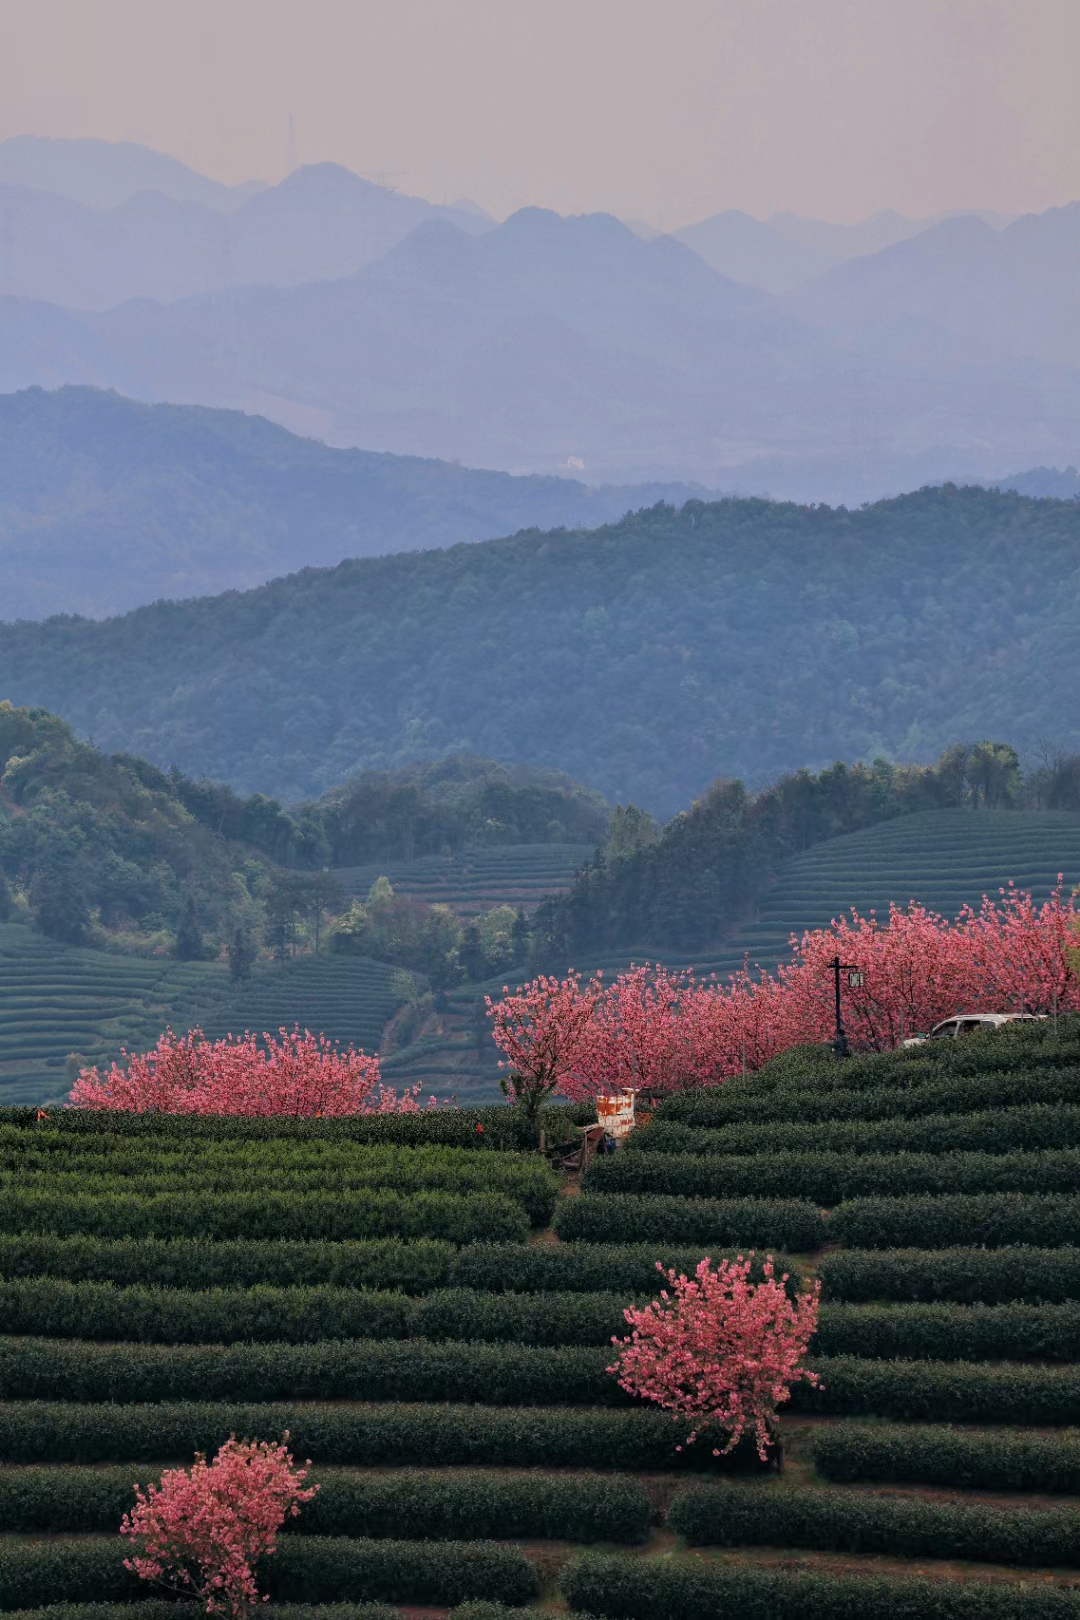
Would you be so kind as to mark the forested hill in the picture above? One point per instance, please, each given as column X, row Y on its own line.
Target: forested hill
column 106, row 503
column 647, row 657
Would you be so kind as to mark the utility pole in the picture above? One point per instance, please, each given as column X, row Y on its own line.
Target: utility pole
column 855, row 982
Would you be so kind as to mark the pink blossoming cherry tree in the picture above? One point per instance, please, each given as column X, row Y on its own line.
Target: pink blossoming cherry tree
column 720, row 1352
column 203, row 1529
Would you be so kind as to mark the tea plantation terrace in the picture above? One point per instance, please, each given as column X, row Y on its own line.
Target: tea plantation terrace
column 60, row 999
column 428, row 1309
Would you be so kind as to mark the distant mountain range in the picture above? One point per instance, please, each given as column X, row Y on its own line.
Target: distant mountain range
column 320, row 223
column 106, row 504
column 737, row 638
column 350, row 313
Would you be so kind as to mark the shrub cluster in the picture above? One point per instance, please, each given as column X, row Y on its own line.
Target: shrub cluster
column 387, row 1435
column 991, row 1220
column 314, row 1569
column 370, row 1213
column 404, row 1504
column 827, row 1178
column 287, row 1167
column 696, row 1589
column 750, row 1103
column 50, row 1307
column 935, row 1454
column 942, row 1391
column 753, row 1222
column 418, row 1267
column 969, row 1276
column 320, row 1317
column 413, row 1267
column 745, row 1515
column 992, row 1130
column 502, row 1128
column 165, row 1609
column 344, row 1369
column 946, row 1332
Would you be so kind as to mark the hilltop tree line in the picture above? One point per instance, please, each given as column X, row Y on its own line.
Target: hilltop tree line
column 689, row 883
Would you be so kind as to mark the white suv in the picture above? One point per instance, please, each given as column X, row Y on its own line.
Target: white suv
column 971, row 1023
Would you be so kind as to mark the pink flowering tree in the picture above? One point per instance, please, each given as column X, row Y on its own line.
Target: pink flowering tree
column 648, row 1032
column 719, row 1351
column 203, row 1529
column 541, row 1032
column 297, row 1074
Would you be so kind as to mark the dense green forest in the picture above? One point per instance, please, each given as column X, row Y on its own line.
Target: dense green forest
column 110, row 850
column 706, row 871
column 644, row 658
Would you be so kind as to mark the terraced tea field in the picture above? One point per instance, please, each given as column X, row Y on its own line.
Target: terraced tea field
column 476, row 879
column 431, row 1319
column 56, row 1000
column 943, row 858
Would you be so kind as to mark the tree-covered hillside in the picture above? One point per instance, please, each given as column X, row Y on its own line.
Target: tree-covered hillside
column 646, row 658
column 106, row 503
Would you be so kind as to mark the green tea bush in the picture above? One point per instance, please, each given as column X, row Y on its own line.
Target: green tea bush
column 47, row 1306
column 498, row 1611
column 755, row 1222
column 165, row 1609
column 286, row 1167
column 404, row 1504
column 362, row 1214
column 345, row 1369
column 827, row 1178
column 912, row 1454
column 743, row 1515
column 414, row 1267
column 418, row 1267
column 623, row 1268
column 314, row 1569
column 390, row 1435
column 941, row 1332
column 991, row 1220
column 942, row 1391
column 502, row 1128
column 694, row 1589
column 969, row 1276
column 328, row 1569
column 996, row 1130
column 737, row 1104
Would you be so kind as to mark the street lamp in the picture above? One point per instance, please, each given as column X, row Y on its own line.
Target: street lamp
column 856, row 979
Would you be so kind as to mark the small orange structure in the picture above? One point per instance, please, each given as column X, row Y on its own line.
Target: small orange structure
column 616, row 1114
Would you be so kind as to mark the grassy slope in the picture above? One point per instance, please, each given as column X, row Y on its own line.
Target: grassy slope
column 1026, row 1049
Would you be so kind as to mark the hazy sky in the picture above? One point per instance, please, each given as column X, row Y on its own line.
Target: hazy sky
column 665, row 110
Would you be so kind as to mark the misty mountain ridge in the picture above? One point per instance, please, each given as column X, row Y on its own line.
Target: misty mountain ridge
column 322, row 222
column 548, row 344
column 106, row 504
column 105, row 174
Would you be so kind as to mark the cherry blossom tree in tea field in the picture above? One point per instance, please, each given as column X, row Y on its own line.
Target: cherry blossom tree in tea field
column 719, row 1351
column 294, row 1074
column 541, row 1031
column 203, row 1529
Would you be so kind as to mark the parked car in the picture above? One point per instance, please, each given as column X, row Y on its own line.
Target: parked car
column 971, row 1024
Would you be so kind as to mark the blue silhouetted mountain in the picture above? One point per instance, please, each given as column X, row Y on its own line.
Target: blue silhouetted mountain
column 105, row 503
